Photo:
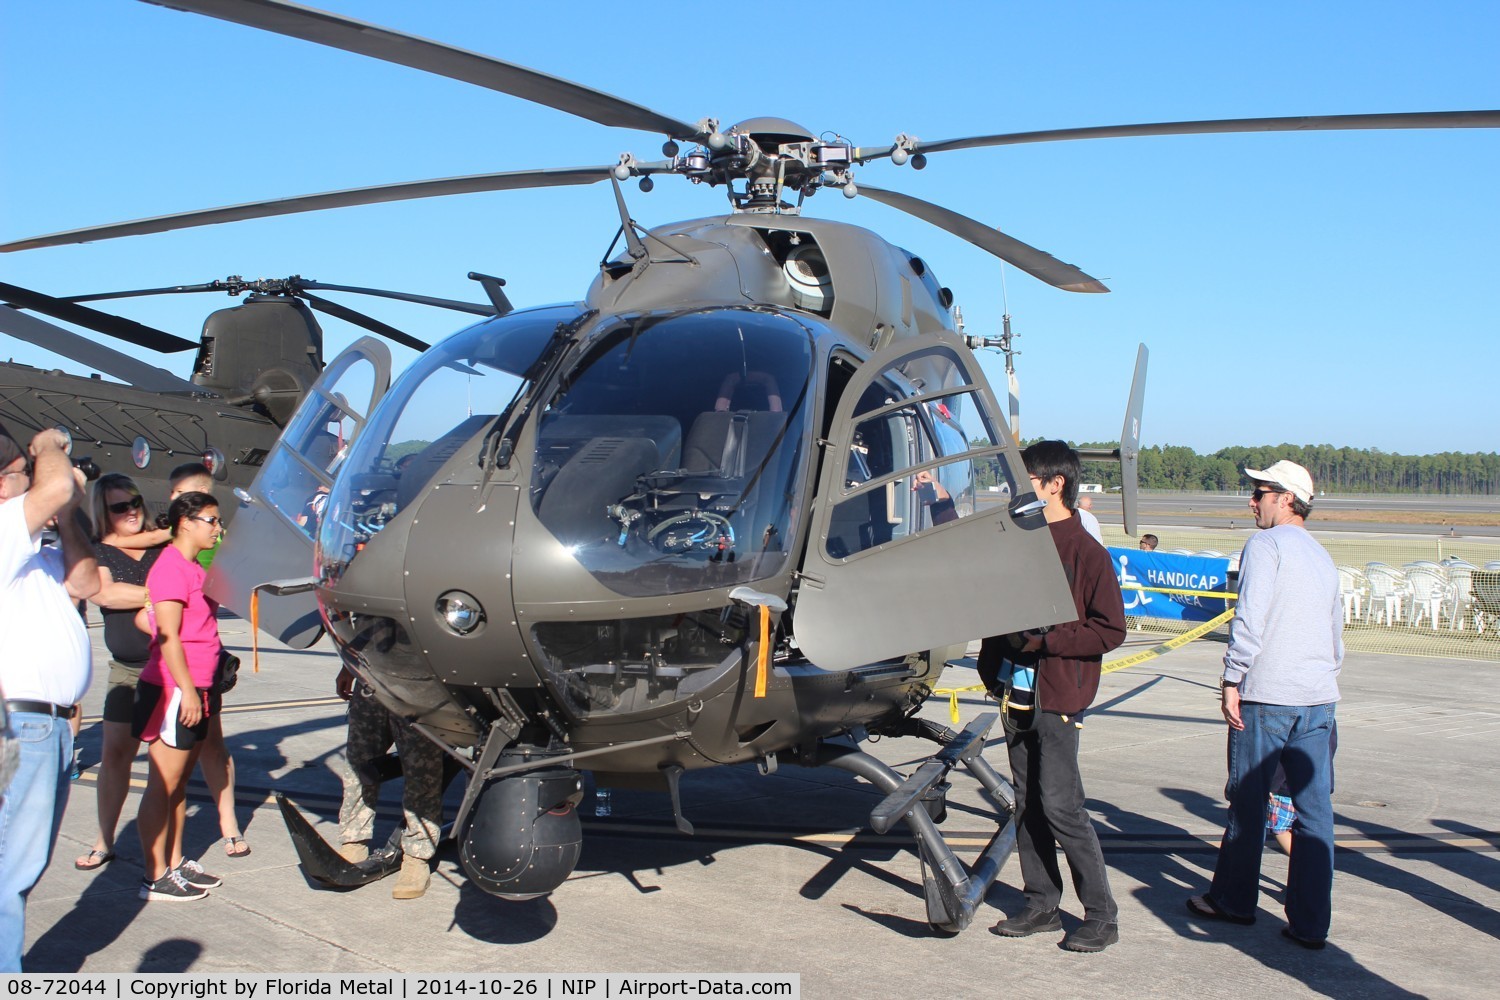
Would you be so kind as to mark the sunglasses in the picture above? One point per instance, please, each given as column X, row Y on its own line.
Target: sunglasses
column 134, row 503
column 212, row 522
column 1256, row 496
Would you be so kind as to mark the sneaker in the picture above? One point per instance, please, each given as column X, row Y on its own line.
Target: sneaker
column 171, row 888
column 1092, row 935
column 193, row 874
column 1029, row 921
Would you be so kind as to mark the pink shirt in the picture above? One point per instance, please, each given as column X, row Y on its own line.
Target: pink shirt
column 173, row 578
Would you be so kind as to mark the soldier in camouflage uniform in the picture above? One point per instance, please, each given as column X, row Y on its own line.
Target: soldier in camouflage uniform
column 372, row 730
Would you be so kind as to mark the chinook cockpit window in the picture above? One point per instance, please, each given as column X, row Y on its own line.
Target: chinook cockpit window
column 671, row 457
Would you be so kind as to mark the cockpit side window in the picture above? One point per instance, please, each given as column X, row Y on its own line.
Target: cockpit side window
column 920, row 435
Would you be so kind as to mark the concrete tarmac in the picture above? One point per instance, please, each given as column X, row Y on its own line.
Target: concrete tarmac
column 785, row 877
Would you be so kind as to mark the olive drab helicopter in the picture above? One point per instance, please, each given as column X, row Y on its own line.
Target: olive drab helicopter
column 681, row 522
column 253, row 365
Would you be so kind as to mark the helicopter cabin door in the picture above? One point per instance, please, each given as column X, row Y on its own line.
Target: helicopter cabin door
column 921, row 536
column 271, row 539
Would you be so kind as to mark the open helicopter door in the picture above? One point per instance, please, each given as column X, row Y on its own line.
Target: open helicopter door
column 271, row 540
column 891, row 567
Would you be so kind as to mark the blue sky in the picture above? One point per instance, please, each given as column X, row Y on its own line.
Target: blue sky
column 1314, row 288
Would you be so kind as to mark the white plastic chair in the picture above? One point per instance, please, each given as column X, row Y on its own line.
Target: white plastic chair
column 1461, row 591
column 1353, row 588
column 1429, row 593
column 1387, row 588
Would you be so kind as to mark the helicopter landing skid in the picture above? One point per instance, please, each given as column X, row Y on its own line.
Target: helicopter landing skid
column 322, row 863
column 953, row 891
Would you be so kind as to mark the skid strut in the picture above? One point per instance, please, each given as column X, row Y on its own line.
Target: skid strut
column 953, row 891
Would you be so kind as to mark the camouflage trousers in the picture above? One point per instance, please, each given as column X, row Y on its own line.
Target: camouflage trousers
column 372, row 730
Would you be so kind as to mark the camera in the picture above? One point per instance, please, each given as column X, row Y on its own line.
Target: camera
column 88, row 467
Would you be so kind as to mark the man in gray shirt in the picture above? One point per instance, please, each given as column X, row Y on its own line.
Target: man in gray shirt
column 1279, row 689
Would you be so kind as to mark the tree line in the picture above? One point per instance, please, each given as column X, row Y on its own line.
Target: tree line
column 1334, row 470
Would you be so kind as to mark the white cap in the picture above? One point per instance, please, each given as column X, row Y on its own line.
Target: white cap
column 1289, row 476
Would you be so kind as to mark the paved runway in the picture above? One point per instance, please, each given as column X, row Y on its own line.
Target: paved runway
column 784, row 876
column 1365, row 513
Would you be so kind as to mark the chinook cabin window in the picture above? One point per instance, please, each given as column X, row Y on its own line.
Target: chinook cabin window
column 672, row 455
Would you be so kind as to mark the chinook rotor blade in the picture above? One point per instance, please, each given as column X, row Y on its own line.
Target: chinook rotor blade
column 1307, row 123
column 402, row 191
column 363, row 38
column 24, row 326
column 127, row 330
column 360, row 319
column 1037, row 263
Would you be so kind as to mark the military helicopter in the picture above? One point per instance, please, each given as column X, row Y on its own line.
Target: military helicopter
column 681, row 522
column 253, row 365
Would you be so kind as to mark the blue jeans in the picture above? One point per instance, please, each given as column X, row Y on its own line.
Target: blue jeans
column 30, row 816
column 1297, row 737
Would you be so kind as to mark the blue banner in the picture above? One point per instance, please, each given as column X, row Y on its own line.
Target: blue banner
column 1137, row 567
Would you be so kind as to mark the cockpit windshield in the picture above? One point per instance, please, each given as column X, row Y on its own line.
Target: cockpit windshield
column 671, row 456
column 441, row 401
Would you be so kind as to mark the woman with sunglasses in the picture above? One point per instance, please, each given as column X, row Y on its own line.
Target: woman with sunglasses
column 121, row 528
column 173, row 701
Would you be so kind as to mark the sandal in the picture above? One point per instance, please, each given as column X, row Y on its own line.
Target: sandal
column 94, row 859
column 235, row 847
column 1205, row 907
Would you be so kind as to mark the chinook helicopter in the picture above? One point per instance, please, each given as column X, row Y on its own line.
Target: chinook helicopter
column 659, row 529
column 252, row 366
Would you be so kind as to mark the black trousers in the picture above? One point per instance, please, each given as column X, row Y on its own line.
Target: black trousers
column 1049, row 794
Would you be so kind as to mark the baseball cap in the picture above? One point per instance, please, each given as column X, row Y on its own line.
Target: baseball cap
column 1289, row 476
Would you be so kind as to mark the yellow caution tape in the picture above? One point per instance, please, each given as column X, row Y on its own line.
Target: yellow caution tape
column 1169, row 645
column 1133, row 660
column 953, row 694
column 1177, row 590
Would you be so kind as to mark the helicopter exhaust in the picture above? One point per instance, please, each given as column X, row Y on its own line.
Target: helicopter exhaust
column 522, row 836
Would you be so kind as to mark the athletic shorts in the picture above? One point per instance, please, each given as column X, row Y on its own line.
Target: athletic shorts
column 1280, row 814
column 119, row 697
column 156, row 716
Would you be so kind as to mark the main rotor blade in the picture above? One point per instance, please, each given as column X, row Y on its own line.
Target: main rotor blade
column 127, row 330
column 138, row 292
column 86, row 352
column 363, row 38
column 426, row 300
column 402, row 191
column 1037, row 263
column 1311, row 123
column 348, row 315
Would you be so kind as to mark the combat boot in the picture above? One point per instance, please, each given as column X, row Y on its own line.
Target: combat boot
column 354, row 853
column 412, row 882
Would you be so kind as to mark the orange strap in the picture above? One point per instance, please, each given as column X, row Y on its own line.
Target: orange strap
column 763, row 660
column 255, row 630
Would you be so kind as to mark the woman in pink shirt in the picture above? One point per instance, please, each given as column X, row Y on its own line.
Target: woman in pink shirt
column 173, row 701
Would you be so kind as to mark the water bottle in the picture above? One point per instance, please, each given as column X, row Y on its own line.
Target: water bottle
column 601, row 801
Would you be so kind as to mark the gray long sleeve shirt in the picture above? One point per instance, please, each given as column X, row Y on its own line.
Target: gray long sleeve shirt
column 1286, row 641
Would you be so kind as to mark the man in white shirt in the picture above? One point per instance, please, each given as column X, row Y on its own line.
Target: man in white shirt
column 44, row 659
column 1085, row 512
column 1280, row 689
